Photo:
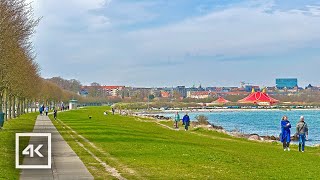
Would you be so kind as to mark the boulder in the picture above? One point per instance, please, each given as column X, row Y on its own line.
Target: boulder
column 273, row 138
column 217, row 127
column 254, row 137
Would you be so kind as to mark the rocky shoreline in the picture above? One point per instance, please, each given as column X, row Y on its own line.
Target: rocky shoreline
column 209, row 126
column 220, row 129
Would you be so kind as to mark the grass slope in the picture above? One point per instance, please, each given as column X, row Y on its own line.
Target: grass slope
column 22, row 124
column 142, row 149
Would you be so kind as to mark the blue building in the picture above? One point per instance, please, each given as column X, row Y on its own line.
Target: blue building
column 288, row 83
column 248, row 88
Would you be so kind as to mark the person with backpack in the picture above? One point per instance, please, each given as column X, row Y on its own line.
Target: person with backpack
column 186, row 121
column 285, row 137
column 302, row 133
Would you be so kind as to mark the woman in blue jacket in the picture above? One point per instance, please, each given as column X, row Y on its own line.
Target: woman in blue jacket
column 285, row 133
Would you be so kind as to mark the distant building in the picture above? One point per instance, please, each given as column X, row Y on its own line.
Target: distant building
column 112, row 90
column 271, row 90
column 182, row 91
column 312, row 88
column 156, row 92
column 103, row 90
column 73, row 104
column 248, row 88
column 165, row 94
column 83, row 92
column 213, row 89
column 286, row 83
column 235, row 93
column 199, row 94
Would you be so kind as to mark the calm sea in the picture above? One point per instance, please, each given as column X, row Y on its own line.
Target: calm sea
column 263, row 122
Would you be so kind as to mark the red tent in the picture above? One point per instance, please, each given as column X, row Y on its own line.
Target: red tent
column 258, row 98
column 220, row 100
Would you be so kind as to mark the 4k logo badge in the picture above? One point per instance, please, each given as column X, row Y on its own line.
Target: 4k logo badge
column 29, row 150
column 36, row 154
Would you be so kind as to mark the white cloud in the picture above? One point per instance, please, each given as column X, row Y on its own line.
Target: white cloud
column 100, row 37
column 233, row 31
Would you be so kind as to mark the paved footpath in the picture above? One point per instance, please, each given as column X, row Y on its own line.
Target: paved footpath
column 66, row 165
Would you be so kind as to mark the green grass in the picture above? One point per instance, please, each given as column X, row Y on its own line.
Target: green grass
column 22, row 124
column 155, row 152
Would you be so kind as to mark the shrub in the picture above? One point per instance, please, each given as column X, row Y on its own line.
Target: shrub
column 202, row 119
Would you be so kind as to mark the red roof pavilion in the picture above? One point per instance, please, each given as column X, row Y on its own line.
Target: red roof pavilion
column 221, row 100
column 258, row 97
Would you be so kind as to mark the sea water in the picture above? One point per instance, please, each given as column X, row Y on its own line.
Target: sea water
column 263, row 122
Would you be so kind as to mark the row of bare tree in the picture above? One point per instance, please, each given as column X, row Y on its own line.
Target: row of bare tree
column 20, row 83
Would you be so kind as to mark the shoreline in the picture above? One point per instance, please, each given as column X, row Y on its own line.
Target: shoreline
column 230, row 110
column 219, row 110
column 220, row 129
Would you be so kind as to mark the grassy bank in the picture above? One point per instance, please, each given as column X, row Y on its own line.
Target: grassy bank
column 142, row 149
column 22, row 124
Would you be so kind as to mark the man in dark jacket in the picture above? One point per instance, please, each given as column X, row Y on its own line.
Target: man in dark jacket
column 186, row 121
column 302, row 132
column 55, row 112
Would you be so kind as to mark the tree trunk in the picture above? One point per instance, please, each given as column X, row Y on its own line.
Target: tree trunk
column 14, row 107
column 1, row 100
column 18, row 107
column 31, row 105
column 24, row 106
column 28, row 105
column 10, row 107
column 35, row 105
column 6, row 106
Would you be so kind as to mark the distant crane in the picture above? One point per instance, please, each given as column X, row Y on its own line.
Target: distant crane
column 243, row 83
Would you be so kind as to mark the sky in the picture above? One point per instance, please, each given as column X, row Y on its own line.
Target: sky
column 179, row 42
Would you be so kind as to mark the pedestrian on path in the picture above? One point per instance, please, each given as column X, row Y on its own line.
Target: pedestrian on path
column 186, row 121
column 302, row 132
column 46, row 110
column 285, row 137
column 40, row 110
column 55, row 113
column 176, row 120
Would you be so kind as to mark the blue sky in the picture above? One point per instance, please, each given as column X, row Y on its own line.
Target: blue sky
column 179, row 42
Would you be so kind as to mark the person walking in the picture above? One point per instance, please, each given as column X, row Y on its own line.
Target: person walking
column 40, row 110
column 55, row 113
column 302, row 132
column 285, row 137
column 186, row 121
column 176, row 120
column 113, row 110
column 46, row 110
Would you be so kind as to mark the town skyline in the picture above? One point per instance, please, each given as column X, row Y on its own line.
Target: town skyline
column 242, row 83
